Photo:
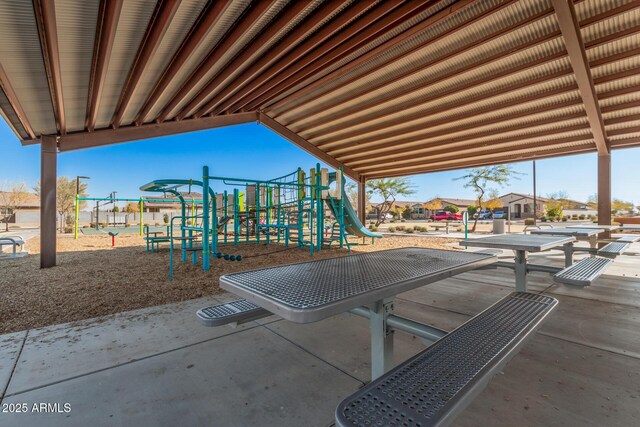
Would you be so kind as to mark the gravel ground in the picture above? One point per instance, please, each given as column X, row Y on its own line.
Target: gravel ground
column 93, row 279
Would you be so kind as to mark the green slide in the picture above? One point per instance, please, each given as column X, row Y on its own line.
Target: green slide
column 352, row 223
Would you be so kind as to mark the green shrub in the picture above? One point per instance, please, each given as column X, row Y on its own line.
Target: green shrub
column 565, row 218
column 574, row 216
column 68, row 229
column 104, row 224
column 582, row 216
column 403, row 220
column 471, row 210
column 392, row 229
column 409, row 231
column 374, row 228
column 424, row 229
column 589, row 216
column 85, row 226
column 400, row 228
column 126, row 224
column 529, row 221
column 451, row 208
column 165, row 218
column 543, row 218
column 393, row 221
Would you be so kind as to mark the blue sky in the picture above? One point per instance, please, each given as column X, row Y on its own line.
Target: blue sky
column 252, row 151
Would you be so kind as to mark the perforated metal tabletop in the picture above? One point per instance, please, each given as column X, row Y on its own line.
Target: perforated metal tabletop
column 313, row 291
column 518, row 242
column 566, row 231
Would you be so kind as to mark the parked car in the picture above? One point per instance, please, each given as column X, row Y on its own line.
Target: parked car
column 499, row 215
column 445, row 216
column 483, row 215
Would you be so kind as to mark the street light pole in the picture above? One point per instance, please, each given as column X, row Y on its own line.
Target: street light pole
column 78, row 178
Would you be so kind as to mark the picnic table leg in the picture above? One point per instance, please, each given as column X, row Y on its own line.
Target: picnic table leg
column 381, row 338
column 593, row 244
column 521, row 270
column 568, row 254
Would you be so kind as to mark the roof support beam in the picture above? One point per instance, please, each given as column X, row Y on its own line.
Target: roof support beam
column 76, row 141
column 247, row 54
column 196, row 35
column 248, row 80
column 15, row 104
column 48, row 179
column 339, row 47
column 45, row 12
column 303, row 143
column 248, row 20
column 106, row 26
column 158, row 25
column 568, row 22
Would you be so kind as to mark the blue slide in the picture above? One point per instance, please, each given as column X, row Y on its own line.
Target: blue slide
column 352, row 223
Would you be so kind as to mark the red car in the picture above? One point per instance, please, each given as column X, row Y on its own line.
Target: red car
column 446, row 216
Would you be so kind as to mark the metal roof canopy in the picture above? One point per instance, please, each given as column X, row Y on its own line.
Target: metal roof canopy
column 382, row 88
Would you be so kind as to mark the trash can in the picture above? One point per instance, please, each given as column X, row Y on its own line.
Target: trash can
column 498, row 226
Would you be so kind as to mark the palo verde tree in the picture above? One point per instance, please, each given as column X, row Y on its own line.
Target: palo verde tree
column 65, row 197
column 388, row 190
column 12, row 196
column 479, row 180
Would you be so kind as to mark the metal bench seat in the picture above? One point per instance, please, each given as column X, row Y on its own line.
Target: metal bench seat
column 433, row 387
column 613, row 249
column 629, row 239
column 583, row 272
column 240, row 311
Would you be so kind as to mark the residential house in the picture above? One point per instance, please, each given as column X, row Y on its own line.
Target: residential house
column 521, row 205
column 27, row 211
column 165, row 207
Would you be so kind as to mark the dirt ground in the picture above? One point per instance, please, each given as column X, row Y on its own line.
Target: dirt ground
column 93, row 279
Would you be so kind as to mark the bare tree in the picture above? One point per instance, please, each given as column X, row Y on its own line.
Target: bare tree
column 65, row 196
column 351, row 189
column 12, row 197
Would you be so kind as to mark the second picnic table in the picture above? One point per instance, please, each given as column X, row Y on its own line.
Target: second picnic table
column 588, row 234
column 521, row 245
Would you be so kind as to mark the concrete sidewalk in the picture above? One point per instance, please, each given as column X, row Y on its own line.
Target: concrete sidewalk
column 158, row 366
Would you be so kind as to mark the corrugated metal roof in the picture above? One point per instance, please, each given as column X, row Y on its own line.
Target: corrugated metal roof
column 185, row 17
column 398, row 88
column 133, row 21
column 75, row 21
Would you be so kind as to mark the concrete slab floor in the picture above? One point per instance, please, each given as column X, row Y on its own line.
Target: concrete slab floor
column 163, row 368
column 59, row 352
column 249, row 378
column 10, row 348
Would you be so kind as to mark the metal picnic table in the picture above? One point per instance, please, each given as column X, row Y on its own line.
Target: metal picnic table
column 521, row 244
column 312, row 291
column 588, row 234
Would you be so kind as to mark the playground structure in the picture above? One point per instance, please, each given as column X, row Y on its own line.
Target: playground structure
column 308, row 210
